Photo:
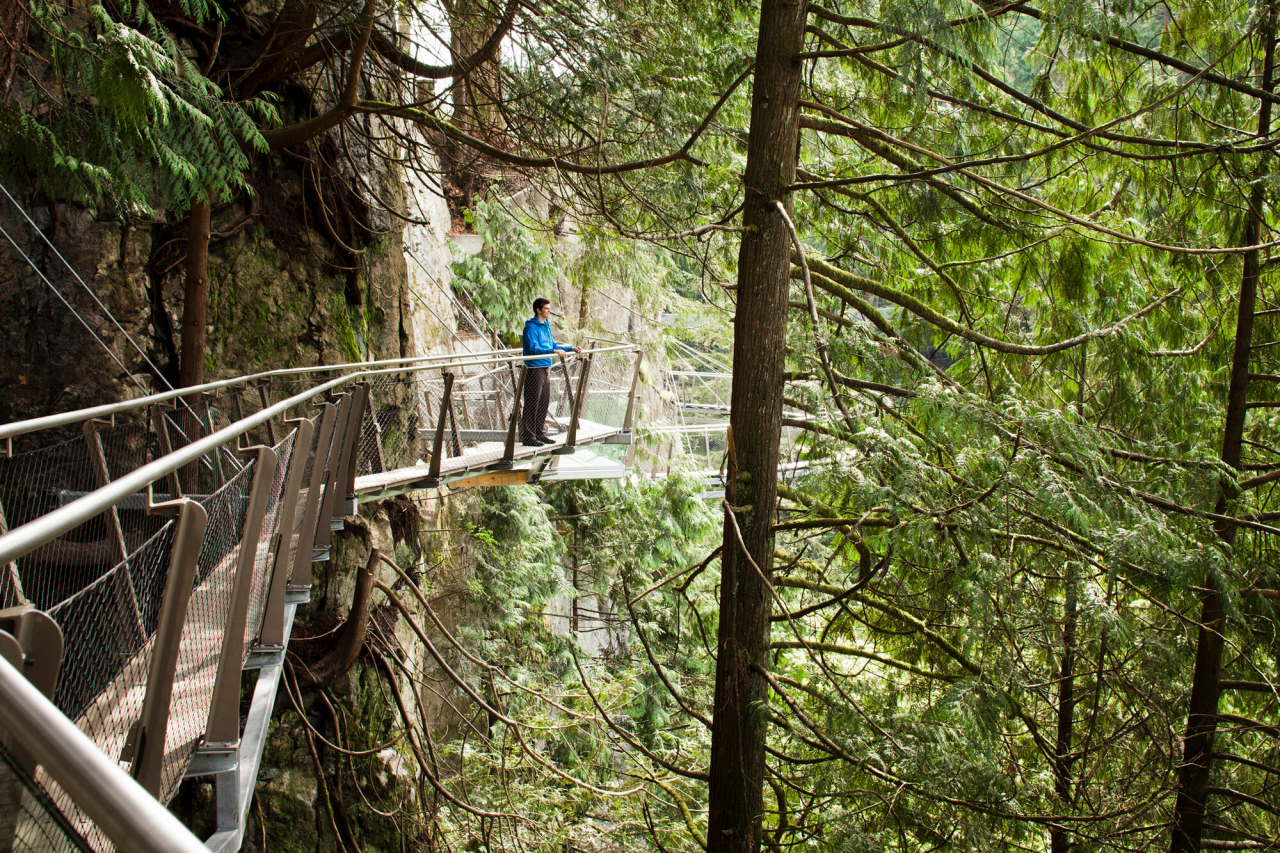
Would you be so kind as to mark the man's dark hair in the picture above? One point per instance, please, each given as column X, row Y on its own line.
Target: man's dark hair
column 539, row 302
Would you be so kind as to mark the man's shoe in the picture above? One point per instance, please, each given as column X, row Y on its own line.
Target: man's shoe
column 545, row 440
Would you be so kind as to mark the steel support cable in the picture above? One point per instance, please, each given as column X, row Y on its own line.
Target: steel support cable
column 70, row 308
column 104, row 308
column 450, row 326
column 83, row 284
column 446, row 289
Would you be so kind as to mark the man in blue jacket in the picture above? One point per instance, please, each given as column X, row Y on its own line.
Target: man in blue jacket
column 537, row 381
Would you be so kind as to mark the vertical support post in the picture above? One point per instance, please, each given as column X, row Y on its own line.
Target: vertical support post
column 333, row 459
column 351, row 451
column 148, row 736
column 266, row 404
column 207, row 423
column 272, row 633
column 571, row 440
column 32, row 643
column 122, row 588
column 453, row 420
column 568, row 387
column 437, row 445
column 223, row 730
column 631, row 398
column 160, row 426
column 509, row 452
column 300, row 572
column 98, row 461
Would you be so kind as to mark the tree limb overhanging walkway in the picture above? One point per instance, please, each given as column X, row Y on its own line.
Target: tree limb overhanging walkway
column 152, row 551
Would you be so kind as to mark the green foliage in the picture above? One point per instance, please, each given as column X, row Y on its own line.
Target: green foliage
column 516, row 266
column 135, row 123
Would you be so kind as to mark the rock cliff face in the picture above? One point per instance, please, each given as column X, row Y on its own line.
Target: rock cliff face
column 281, row 293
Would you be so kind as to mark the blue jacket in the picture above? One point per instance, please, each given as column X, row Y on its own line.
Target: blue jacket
column 538, row 341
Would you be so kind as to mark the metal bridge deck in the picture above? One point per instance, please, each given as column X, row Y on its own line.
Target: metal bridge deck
column 481, row 458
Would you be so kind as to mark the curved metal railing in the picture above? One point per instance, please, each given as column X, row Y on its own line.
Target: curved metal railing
column 169, row 538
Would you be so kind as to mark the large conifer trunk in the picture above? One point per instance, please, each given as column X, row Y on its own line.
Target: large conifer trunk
column 1206, row 689
column 740, row 723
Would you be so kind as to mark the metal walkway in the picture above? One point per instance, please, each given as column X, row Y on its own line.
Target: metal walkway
column 153, row 551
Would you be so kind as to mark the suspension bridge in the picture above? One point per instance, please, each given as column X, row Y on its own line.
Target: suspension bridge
column 152, row 551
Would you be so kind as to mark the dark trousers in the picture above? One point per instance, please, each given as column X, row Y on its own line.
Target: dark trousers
column 537, row 396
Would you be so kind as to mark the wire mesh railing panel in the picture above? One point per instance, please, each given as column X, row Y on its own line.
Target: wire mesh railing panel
column 265, row 554
column 30, row 822
column 396, row 411
column 108, row 630
column 609, row 388
column 202, row 634
column 701, row 389
column 126, row 447
column 34, row 483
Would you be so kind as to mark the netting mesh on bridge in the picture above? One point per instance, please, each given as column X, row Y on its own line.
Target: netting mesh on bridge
column 266, row 554
column 203, row 631
column 30, row 822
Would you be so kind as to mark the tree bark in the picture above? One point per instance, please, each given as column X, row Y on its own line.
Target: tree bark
column 1202, row 713
column 1059, row 836
column 15, row 17
column 195, row 298
column 736, row 799
column 476, row 90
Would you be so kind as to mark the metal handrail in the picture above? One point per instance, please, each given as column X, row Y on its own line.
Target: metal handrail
column 510, row 356
column 129, row 816
column 21, row 540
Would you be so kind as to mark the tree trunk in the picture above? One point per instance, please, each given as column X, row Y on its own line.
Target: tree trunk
column 195, row 298
column 477, row 91
column 1202, row 713
column 1059, row 836
column 15, row 17
column 736, row 800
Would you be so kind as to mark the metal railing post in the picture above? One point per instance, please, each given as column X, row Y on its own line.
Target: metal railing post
column 455, row 439
column 160, row 426
column 271, row 637
column 300, row 572
column 509, row 452
column 98, row 461
column 333, row 459
column 631, row 398
column 266, row 404
column 351, row 457
column 122, row 590
column 437, row 444
column 32, row 643
column 571, row 440
column 223, row 731
column 145, row 744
